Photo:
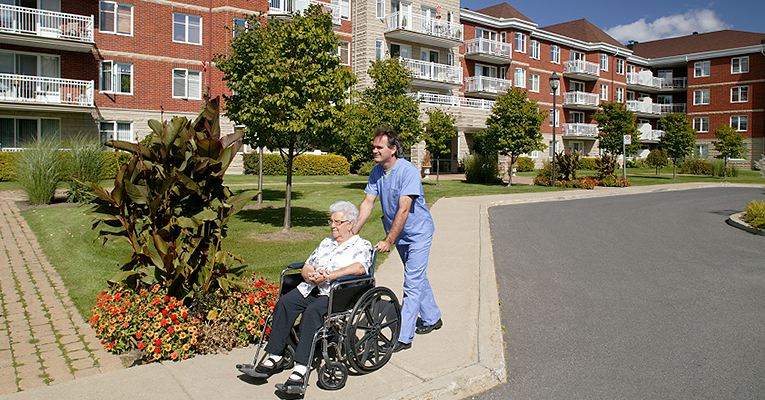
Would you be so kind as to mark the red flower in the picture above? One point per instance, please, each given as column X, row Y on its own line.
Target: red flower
column 164, row 312
column 165, row 299
column 141, row 345
column 268, row 330
column 157, row 342
column 157, row 350
column 184, row 314
column 103, row 341
column 139, row 335
column 270, row 303
column 251, row 301
column 170, row 330
column 173, row 316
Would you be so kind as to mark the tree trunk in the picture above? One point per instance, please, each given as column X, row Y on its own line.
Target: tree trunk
column 725, row 168
column 438, row 170
column 674, row 168
column 510, row 172
column 260, row 175
column 288, row 190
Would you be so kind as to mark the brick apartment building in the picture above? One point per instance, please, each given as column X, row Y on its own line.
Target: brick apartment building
column 106, row 67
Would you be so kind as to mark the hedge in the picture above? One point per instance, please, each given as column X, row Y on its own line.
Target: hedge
column 115, row 159
column 304, row 164
column 6, row 166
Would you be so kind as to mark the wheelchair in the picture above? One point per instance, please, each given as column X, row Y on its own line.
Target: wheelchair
column 359, row 331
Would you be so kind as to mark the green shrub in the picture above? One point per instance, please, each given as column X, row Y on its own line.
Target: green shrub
column 657, row 159
column 606, row 165
column 366, row 168
column 86, row 162
column 524, row 164
column 481, row 169
column 567, row 163
column 39, row 169
column 304, row 164
column 635, row 163
column 588, row 164
column 7, row 159
column 755, row 214
column 695, row 166
column 718, row 165
column 613, row 181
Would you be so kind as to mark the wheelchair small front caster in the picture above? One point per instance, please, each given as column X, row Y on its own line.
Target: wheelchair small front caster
column 332, row 375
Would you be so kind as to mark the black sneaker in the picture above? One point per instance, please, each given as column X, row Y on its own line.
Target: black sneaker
column 425, row 329
column 401, row 346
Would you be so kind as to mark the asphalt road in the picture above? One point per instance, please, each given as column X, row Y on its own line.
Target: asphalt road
column 631, row 297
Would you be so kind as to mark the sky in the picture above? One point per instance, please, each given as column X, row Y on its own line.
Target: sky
column 642, row 20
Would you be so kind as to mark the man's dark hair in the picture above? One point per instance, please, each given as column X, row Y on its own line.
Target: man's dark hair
column 393, row 139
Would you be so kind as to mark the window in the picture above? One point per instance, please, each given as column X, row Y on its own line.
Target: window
column 240, row 25
column 520, row 42
column 450, row 59
column 604, row 62
column 576, row 56
column 344, row 51
column 620, row 67
column 378, row 50
column 576, row 86
column 534, row 83
column 534, row 49
column 116, row 77
column 187, row 84
column 619, row 95
column 345, row 9
column 701, row 124
column 115, row 18
column 739, row 122
column 701, row 69
column 187, row 28
column 380, row 9
column 15, row 132
column 502, row 72
column 503, row 37
column 604, row 92
column 739, row 94
column 739, row 65
column 701, row 97
column 701, row 150
column 116, row 130
column 577, row 117
column 630, row 95
column 554, row 117
column 555, row 54
column 520, row 77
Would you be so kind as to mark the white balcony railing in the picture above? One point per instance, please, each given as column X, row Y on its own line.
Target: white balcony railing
column 42, row 90
column 424, row 25
column 646, row 79
column 434, row 71
column 670, row 108
column 487, row 84
column 295, row 6
column 647, row 133
column 678, row 83
column 581, row 67
column 452, row 101
column 578, row 129
column 44, row 23
column 488, row 47
column 580, row 99
column 646, row 106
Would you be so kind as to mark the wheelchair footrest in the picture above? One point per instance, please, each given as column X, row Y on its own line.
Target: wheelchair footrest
column 248, row 369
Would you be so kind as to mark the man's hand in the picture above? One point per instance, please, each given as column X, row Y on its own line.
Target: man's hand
column 383, row 246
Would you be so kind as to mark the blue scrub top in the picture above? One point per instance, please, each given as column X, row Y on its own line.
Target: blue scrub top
column 403, row 180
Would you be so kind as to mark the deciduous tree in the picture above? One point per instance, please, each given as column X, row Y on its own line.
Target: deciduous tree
column 679, row 138
column 438, row 133
column 730, row 145
column 614, row 122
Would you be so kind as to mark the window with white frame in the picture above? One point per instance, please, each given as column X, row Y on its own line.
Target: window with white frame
column 520, row 77
column 187, row 28
column 534, row 83
column 620, row 67
column 240, row 25
column 576, row 117
column 345, row 9
column 700, row 69
column 379, row 48
column 739, row 65
column 115, row 18
column 630, row 95
column 604, row 92
column 604, row 62
column 619, row 95
column 116, row 77
column 739, row 122
column 576, row 56
column 576, row 86
column 502, row 72
column 739, row 94
column 187, row 84
column 534, row 49
column 344, row 51
column 380, row 9
column 116, row 130
column 554, row 117
column 701, row 124
column 520, row 42
column 503, row 37
column 701, row 150
column 700, row 97
column 16, row 132
column 554, row 54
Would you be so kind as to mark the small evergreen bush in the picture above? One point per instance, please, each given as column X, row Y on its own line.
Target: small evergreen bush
column 481, row 169
column 7, row 159
column 39, row 169
column 366, row 168
column 304, row 164
column 524, row 164
column 588, row 164
column 613, row 181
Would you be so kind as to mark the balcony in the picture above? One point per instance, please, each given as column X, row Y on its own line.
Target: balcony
column 581, row 101
column 647, row 108
column 582, row 70
column 648, row 134
column 42, row 93
column 452, row 101
column 490, row 51
column 285, row 8
column 47, row 29
column 484, row 86
column 578, row 130
column 644, row 81
column 434, row 75
column 423, row 30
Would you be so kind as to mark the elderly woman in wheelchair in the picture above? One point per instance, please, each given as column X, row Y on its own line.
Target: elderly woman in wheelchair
column 344, row 257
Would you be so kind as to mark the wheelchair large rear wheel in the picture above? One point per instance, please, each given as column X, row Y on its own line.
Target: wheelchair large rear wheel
column 372, row 330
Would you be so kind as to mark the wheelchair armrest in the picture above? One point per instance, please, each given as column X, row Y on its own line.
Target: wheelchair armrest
column 348, row 279
column 293, row 266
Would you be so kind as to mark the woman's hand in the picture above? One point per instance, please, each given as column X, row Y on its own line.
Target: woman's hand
column 318, row 277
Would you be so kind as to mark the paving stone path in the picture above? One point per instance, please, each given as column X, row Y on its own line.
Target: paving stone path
column 43, row 338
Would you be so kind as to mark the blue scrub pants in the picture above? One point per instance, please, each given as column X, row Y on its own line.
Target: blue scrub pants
column 418, row 295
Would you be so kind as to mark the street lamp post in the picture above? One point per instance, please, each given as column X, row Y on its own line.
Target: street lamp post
column 554, row 83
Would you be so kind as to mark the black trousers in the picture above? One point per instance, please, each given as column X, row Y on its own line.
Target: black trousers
column 286, row 311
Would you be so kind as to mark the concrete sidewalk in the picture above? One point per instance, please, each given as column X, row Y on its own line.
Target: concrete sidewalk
column 465, row 357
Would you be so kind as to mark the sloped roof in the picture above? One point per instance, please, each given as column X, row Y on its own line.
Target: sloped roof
column 583, row 30
column 697, row 43
column 504, row 10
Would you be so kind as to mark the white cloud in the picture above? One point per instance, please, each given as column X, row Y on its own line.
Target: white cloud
column 670, row 26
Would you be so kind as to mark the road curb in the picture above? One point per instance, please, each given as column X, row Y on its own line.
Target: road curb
column 737, row 221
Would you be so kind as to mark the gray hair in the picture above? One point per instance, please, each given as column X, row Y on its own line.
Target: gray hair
column 349, row 211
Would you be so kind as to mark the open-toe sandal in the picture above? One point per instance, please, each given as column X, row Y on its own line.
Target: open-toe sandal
column 291, row 386
column 262, row 371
